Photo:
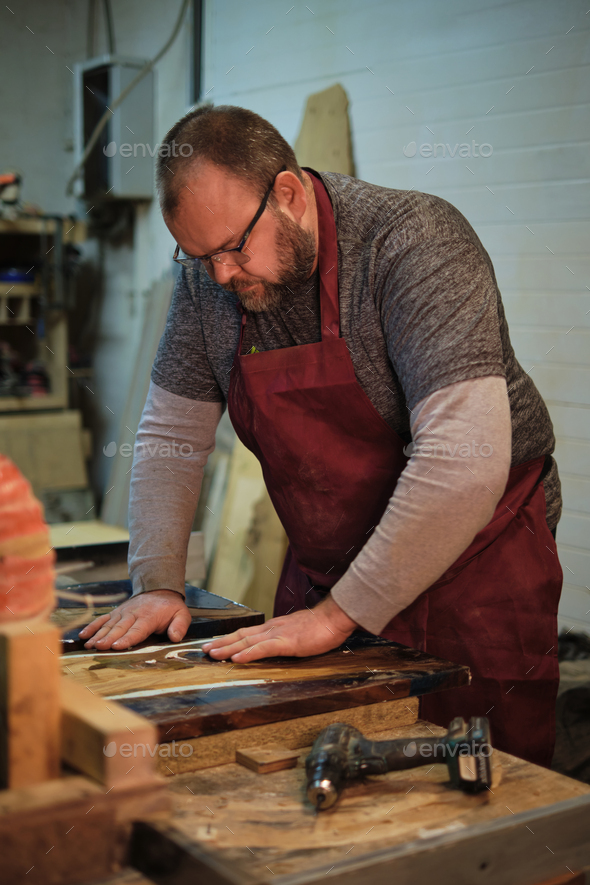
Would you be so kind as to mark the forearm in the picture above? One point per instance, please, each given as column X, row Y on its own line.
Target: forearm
column 174, row 439
column 439, row 504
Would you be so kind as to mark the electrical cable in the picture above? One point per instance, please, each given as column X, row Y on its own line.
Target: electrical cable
column 90, row 30
column 108, row 15
column 122, row 96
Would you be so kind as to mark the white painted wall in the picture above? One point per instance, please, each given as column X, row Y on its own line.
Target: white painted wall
column 514, row 75
column 37, row 41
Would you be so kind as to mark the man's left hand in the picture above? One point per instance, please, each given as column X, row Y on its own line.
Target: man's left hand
column 302, row 634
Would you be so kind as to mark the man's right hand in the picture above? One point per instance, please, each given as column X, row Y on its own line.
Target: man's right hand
column 155, row 611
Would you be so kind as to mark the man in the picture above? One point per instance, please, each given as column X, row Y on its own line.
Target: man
column 348, row 328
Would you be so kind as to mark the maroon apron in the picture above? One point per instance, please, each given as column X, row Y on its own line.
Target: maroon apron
column 331, row 463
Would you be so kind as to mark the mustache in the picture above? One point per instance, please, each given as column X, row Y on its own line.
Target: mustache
column 237, row 286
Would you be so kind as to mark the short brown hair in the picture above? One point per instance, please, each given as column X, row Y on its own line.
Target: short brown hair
column 246, row 144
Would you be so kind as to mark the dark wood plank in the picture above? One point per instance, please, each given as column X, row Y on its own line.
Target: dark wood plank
column 211, row 615
column 364, row 671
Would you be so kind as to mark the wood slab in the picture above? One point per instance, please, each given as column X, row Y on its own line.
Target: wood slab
column 29, row 703
column 211, row 615
column 265, row 760
column 218, row 749
column 186, row 694
column 71, row 830
column 229, row 825
column 104, row 740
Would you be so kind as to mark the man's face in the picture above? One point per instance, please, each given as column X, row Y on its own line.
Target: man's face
column 214, row 213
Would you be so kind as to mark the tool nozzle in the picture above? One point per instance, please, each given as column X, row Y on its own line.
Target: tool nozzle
column 322, row 793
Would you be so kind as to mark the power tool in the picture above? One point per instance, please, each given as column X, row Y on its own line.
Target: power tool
column 341, row 753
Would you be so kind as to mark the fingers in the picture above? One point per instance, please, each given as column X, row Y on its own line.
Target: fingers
column 222, row 653
column 240, row 642
column 222, row 642
column 112, row 620
column 93, row 626
column 300, row 634
column 136, row 619
column 112, row 630
column 267, row 648
column 135, row 634
column 129, row 630
column 179, row 625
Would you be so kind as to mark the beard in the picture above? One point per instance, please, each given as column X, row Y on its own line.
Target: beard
column 297, row 250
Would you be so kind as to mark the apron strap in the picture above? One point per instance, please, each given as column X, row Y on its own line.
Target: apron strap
column 243, row 319
column 328, row 261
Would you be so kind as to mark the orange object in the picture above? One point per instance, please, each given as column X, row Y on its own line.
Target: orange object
column 26, row 556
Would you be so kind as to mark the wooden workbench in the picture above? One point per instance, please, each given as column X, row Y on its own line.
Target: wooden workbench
column 222, row 823
column 230, row 825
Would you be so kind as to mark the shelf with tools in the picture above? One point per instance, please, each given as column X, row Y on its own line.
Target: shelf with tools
column 18, row 303
column 45, row 438
column 35, row 253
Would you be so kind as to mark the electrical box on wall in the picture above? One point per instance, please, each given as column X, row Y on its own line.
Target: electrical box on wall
column 121, row 164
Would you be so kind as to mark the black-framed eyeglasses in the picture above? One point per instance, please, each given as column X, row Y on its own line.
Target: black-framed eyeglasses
column 235, row 256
